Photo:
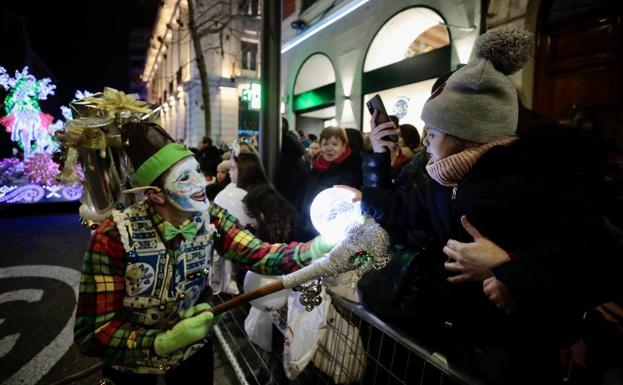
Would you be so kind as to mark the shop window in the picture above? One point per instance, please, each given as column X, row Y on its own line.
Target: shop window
column 432, row 38
column 412, row 32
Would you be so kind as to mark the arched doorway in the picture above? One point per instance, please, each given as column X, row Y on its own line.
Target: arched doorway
column 314, row 94
column 403, row 61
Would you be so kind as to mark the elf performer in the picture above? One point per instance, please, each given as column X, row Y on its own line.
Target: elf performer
column 147, row 266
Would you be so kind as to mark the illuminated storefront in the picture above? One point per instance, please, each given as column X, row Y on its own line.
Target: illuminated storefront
column 396, row 49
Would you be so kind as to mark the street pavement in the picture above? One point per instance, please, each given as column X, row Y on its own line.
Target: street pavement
column 40, row 263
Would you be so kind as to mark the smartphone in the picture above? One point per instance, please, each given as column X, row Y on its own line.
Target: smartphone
column 376, row 104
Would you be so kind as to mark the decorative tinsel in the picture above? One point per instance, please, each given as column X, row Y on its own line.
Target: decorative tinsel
column 40, row 169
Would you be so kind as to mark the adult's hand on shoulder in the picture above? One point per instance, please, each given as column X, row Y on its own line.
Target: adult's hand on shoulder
column 473, row 261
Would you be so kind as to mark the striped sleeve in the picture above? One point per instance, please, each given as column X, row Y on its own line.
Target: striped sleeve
column 100, row 329
column 241, row 246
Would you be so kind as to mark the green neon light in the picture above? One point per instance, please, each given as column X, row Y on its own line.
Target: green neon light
column 253, row 95
column 308, row 100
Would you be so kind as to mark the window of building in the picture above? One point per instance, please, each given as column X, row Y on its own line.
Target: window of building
column 249, row 55
column 248, row 7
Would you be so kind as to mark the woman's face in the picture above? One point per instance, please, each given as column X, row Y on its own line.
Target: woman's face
column 438, row 145
column 331, row 148
column 221, row 174
column 314, row 149
column 233, row 171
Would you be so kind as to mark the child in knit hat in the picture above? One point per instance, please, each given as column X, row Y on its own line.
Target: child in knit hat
column 523, row 253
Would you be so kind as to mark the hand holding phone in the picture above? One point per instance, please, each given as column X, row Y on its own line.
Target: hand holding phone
column 376, row 104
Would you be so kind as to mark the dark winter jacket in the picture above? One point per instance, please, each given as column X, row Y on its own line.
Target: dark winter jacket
column 531, row 199
column 293, row 169
column 346, row 173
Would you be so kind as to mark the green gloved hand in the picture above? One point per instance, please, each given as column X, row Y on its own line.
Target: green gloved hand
column 194, row 310
column 320, row 246
column 184, row 333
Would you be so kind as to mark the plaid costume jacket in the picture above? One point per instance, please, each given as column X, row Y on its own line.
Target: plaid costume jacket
column 133, row 285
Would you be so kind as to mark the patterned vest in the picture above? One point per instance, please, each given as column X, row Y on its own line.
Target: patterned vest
column 159, row 282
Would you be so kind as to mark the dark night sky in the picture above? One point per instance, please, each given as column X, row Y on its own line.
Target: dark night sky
column 79, row 44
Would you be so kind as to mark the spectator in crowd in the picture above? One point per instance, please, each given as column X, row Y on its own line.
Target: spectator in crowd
column 208, row 156
column 274, row 217
column 245, row 171
column 313, row 150
column 335, row 165
column 355, row 140
column 221, row 181
column 244, row 145
column 305, row 141
column 524, row 254
column 293, row 167
column 408, row 146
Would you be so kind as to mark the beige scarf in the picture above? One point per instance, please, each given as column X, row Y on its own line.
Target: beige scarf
column 450, row 171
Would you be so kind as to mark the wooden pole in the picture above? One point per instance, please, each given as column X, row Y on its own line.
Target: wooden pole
column 246, row 297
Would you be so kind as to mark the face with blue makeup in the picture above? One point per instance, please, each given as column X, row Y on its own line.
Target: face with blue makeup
column 184, row 186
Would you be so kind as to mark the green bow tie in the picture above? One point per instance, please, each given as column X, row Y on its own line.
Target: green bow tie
column 188, row 231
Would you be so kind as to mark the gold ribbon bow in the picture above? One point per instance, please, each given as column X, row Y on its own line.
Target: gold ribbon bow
column 114, row 101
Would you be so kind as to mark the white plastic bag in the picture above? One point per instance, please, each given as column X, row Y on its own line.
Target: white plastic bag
column 259, row 328
column 303, row 333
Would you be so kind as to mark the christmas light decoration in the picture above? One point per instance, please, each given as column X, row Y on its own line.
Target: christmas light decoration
column 40, row 169
column 34, row 178
column 10, row 167
column 29, row 127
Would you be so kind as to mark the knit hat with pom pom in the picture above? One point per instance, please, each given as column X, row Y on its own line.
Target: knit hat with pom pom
column 479, row 101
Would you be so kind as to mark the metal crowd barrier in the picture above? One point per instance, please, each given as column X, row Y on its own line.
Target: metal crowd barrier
column 362, row 349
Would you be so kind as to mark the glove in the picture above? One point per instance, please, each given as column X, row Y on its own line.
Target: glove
column 320, row 246
column 184, row 333
column 193, row 309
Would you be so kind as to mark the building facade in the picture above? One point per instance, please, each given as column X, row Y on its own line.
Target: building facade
column 232, row 63
column 338, row 54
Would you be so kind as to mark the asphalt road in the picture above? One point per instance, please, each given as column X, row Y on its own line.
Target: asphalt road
column 40, row 261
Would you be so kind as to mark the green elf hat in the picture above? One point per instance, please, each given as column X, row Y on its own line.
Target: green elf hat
column 151, row 150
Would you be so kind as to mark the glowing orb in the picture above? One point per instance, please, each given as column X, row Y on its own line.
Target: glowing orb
column 333, row 212
column 269, row 302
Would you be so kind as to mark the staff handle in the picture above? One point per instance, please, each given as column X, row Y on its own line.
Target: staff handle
column 270, row 288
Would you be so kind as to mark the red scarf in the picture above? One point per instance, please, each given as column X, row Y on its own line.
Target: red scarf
column 321, row 164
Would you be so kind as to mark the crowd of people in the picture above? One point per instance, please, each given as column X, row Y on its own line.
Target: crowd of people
column 513, row 230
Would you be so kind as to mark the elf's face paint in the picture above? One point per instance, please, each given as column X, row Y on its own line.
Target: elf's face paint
column 185, row 186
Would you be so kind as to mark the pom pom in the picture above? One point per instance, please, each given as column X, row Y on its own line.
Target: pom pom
column 507, row 48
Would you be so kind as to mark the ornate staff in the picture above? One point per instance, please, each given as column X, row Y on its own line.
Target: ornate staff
column 364, row 248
